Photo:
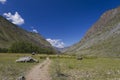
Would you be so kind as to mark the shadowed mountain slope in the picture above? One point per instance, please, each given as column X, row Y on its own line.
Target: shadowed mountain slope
column 10, row 33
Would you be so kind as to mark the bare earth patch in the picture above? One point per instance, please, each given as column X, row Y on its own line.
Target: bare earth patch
column 40, row 71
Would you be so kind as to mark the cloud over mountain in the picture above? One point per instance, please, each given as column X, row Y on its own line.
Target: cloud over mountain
column 56, row 42
column 35, row 31
column 15, row 18
column 3, row 1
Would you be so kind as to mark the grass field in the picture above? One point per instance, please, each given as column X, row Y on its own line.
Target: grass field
column 86, row 69
column 63, row 67
column 10, row 70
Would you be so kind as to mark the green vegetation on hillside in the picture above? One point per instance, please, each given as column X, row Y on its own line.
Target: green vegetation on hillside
column 24, row 47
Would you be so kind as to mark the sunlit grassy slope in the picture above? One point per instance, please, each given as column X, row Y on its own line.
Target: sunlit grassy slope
column 102, row 39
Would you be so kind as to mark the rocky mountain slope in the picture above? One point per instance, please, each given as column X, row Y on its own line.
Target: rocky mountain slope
column 10, row 33
column 102, row 39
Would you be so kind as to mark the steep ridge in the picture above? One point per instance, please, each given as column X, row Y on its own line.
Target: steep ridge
column 102, row 39
column 10, row 33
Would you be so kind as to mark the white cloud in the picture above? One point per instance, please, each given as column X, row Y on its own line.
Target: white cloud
column 3, row 1
column 15, row 18
column 56, row 42
column 35, row 31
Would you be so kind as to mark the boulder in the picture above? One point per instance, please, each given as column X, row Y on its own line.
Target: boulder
column 26, row 59
column 79, row 58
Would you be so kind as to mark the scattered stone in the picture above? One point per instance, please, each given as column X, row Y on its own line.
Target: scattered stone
column 33, row 53
column 21, row 78
column 79, row 58
column 26, row 59
column 62, row 75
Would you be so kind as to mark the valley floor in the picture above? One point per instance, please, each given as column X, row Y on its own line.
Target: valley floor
column 61, row 67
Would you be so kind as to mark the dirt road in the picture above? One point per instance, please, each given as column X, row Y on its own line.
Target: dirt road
column 40, row 71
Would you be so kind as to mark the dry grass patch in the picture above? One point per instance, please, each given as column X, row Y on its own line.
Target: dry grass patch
column 86, row 69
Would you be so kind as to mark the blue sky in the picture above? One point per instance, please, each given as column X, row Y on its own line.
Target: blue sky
column 62, row 22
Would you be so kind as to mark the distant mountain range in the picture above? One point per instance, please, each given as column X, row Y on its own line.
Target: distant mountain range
column 61, row 50
column 102, row 39
column 11, row 33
